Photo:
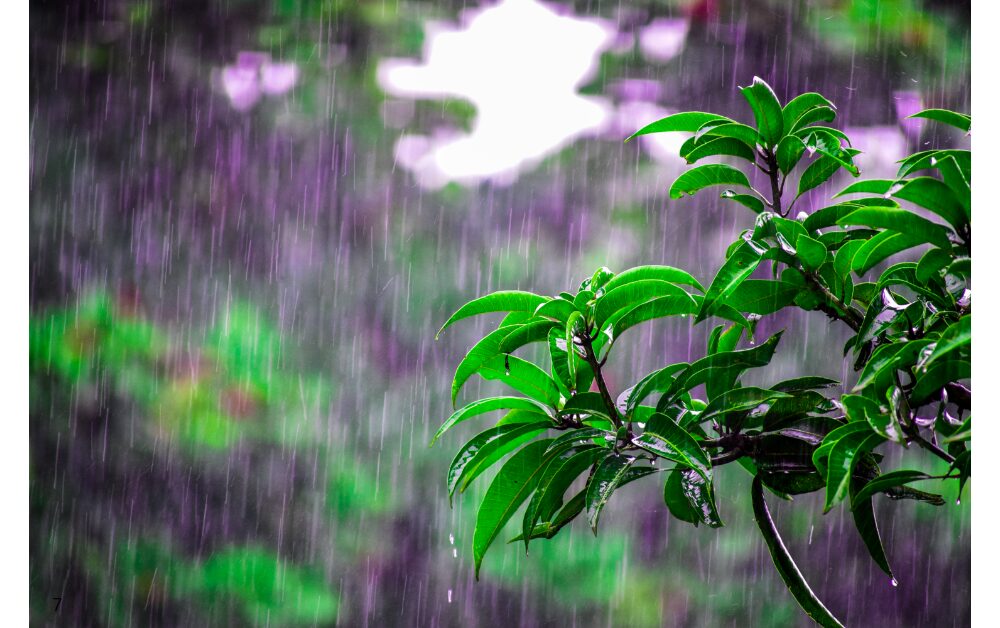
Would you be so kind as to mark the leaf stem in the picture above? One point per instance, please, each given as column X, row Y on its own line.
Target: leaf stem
column 602, row 386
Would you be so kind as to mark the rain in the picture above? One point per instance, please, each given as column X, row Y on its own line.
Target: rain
column 249, row 220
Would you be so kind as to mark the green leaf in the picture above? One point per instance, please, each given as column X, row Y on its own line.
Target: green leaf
column 675, row 499
column 926, row 159
column 886, row 482
column 933, row 195
column 937, row 377
column 864, row 410
column 732, row 363
column 816, row 174
column 762, row 296
column 486, row 448
column 657, row 381
column 864, row 520
column 582, row 436
column 811, row 116
column 560, row 365
column 661, row 273
column 789, row 152
column 586, row 403
column 739, row 399
column 706, row 176
column 659, row 307
column 845, row 256
column 719, row 146
column 840, row 466
column 689, row 121
column 558, row 310
column 956, row 180
column 667, row 439
column 881, row 247
column 488, row 405
column 802, row 384
column 951, row 118
column 634, row 293
column 558, row 476
column 687, row 486
column 828, row 144
column 811, row 252
column 522, row 376
column 899, row 220
column 747, row 200
column 481, row 353
column 733, row 130
column 802, row 103
column 766, row 110
column 734, row 271
column 515, row 481
column 931, row 264
column 783, row 562
column 867, row 186
column 607, row 477
column 503, row 301
column 958, row 335
column 525, row 334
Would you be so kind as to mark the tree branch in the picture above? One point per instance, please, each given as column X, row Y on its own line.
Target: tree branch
column 602, row 387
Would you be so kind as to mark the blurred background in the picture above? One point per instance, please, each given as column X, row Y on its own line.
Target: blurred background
column 249, row 218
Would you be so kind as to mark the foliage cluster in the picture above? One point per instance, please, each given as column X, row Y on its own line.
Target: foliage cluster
column 911, row 347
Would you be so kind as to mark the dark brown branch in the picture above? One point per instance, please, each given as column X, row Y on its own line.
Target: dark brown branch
column 602, row 387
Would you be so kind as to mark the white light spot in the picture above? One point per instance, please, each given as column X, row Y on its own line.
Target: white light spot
column 520, row 64
column 663, row 39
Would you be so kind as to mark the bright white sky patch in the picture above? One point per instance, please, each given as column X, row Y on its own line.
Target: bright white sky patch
column 520, row 63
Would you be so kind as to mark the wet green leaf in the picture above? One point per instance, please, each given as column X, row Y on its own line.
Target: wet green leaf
column 689, row 121
column 766, row 110
column 503, row 301
column 522, row 376
column 706, row 176
column 951, row 118
column 761, row 296
column 665, row 438
column 899, row 220
column 486, row 448
column 607, row 477
column 661, row 273
column 515, row 481
column 783, row 562
column 488, row 405
column 863, row 512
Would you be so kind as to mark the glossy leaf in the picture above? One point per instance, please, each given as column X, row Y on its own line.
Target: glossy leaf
column 634, row 293
column 934, row 195
column 789, row 152
column 665, row 438
column 956, row 336
column 952, row 118
column 706, row 176
column 607, row 477
column 719, row 146
column 766, row 110
column 486, row 448
column 886, row 482
column 689, row 121
column 522, row 376
column 483, row 406
column 661, row 273
column 562, row 471
column 735, row 270
column 503, row 301
column 761, row 296
column 811, row 252
column 754, row 203
column 843, row 457
column 863, row 512
column 515, row 481
column 899, row 220
column 783, row 562
column 881, row 247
